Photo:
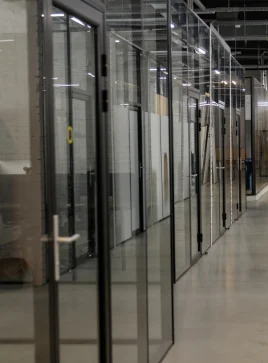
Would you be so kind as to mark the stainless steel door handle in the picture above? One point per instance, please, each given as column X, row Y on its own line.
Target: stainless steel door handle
column 57, row 240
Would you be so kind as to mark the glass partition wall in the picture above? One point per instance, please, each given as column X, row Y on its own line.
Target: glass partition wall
column 202, row 63
column 175, row 131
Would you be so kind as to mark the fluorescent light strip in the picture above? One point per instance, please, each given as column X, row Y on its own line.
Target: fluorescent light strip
column 186, row 84
column 77, row 21
column 57, row 15
column 217, row 71
column 66, row 85
column 233, row 82
column 155, row 69
column 6, row 40
column 92, row 75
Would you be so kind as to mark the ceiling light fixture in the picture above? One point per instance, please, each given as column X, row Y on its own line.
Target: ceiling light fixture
column 57, row 14
column 117, row 41
column 6, row 40
column 92, row 75
column 186, row 84
column 233, row 82
column 200, row 50
column 172, row 25
column 217, row 71
column 77, row 21
column 238, row 26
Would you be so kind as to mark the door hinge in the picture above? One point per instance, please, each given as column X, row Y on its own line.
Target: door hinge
column 224, row 131
column 105, row 100
column 199, row 113
column 224, row 120
column 199, row 126
column 200, row 238
column 224, row 216
column 104, row 68
column 236, row 132
column 237, row 206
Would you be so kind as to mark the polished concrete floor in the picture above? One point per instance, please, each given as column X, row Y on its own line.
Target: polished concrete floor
column 221, row 304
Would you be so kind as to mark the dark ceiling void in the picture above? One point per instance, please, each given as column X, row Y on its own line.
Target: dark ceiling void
column 243, row 24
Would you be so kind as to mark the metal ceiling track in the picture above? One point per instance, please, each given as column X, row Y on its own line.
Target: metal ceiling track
column 240, row 22
column 232, row 9
column 244, row 37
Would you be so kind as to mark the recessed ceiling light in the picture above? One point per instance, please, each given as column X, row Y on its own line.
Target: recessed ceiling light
column 117, row 41
column 172, row 25
column 238, row 26
column 217, row 71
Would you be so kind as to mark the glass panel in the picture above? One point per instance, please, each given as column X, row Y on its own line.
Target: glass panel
column 156, row 119
column 83, row 123
column 206, row 129
column 235, row 143
column 248, row 130
column 180, row 141
column 61, row 117
column 227, row 115
column 75, row 116
column 21, row 252
column 140, row 122
column 218, row 131
column 128, row 254
column 194, row 173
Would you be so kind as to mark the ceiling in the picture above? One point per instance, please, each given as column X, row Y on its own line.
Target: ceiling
column 244, row 26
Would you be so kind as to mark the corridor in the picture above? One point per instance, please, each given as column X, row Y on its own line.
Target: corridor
column 221, row 309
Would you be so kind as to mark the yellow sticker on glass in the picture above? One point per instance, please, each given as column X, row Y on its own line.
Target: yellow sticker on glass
column 70, row 135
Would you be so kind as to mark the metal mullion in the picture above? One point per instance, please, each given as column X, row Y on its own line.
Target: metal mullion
column 71, row 199
column 50, row 180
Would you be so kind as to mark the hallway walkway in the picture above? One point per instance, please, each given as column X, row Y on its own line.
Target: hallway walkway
column 221, row 304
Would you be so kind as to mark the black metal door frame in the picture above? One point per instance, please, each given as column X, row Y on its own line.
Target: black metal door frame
column 195, row 94
column 92, row 12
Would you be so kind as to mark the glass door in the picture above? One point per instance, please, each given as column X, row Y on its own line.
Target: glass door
column 239, row 166
column 221, row 170
column 77, row 191
column 195, row 210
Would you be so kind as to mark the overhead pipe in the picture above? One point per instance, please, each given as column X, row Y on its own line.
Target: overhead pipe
column 200, row 5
